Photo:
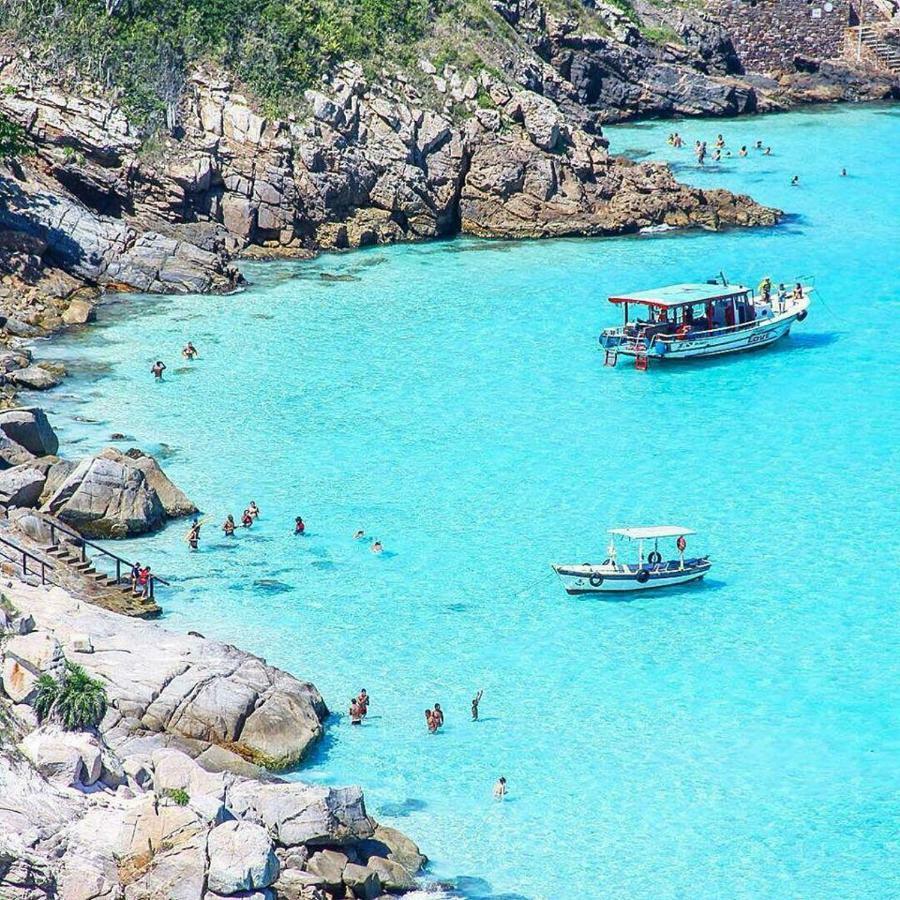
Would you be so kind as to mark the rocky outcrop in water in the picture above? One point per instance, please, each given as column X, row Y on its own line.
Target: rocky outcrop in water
column 160, row 803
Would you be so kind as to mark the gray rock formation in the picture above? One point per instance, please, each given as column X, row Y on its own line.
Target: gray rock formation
column 135, row 812
column 30, row 429
column 21, row 486
column 116, row 494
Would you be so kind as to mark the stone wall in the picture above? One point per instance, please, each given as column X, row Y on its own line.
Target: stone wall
column 768, row 34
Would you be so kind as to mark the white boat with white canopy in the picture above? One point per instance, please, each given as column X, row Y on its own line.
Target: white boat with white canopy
column 687, row 321
column 650, row 570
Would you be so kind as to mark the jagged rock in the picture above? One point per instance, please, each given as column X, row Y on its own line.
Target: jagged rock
column 241, row 858
column 303, row 814
column 328, row 865
column 292, row 884
column 21, row 486
column 363, row 881
column 30, row 429
column 391, row 874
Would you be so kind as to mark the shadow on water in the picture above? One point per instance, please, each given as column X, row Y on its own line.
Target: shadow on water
column 402, row 808
column 474, row 888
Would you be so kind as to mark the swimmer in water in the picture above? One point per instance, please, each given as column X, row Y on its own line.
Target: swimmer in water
column 355, row 712
column 743, row 151
column 362, row 701
column 193, row 534
column 189, row 351
column 795, row 181
column 475, row 701
column 429, row 721
column 843, row 173
column 299, row 525
column 720, row 142
column 157, row 369
column 768, row 151
column 438, row 715
column 759, row 145
column 377, row 547
column 246, row 519
column 228, row 525
column 500, row 788
column 358, row 535
column 717, row 155
column 253, row 509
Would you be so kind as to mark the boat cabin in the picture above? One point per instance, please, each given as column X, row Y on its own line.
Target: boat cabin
column 682, row 309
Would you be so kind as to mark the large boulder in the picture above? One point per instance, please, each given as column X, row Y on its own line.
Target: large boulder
column 29, row 428
column 174, row 500
column 241, row 858
column 392, row 875
column 328, row 866
column 21, row 486
column 67, row 758
column 25, row 659
column 106, row 497
column 396, row 847
column 35, row 378
column 297, row 813
column 363, row 881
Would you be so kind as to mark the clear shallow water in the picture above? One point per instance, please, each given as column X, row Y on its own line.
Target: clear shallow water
column 738, row 738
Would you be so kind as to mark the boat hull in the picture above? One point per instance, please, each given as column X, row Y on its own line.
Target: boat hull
column 604, row 580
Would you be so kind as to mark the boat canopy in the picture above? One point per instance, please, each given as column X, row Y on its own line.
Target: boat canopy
column 650, row 532
column 682, row 295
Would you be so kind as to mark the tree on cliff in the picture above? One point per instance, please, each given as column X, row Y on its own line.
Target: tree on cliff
column 13, row 140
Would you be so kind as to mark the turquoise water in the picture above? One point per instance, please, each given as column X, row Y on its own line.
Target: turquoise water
column 736, row 738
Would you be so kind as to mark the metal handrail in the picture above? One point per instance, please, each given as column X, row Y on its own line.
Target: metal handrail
column 26, row 555
column 83, row 542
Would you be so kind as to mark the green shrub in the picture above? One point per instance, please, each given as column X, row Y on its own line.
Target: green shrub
column 75, row 700
column 178, row 795
column 13, row 140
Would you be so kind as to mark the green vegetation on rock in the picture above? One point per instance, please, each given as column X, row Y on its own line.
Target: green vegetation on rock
column 75, row 700
column 143, row 48
column 13, row 140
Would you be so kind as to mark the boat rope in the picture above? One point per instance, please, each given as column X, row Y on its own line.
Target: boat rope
column 530, row 587
column 821, row 296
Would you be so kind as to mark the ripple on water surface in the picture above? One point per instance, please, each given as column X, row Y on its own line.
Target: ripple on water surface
column 735, row 738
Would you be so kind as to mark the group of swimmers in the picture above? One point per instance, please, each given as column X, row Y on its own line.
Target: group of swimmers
column 700, row 148
column 188, row 351
column 247, row 517
column 359, row 707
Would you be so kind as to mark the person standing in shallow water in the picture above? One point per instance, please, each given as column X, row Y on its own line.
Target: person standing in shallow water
column 362, row 701
column 356, row 713
column 475, row 701
column 500, row 788
column 299, row 525
column 189, row 351
column 430, row 721
column 228, row 525
column 157, row 369
column 193, row 534
column 438, row 715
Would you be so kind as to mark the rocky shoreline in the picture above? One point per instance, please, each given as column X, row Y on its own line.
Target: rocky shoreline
column 167, row 798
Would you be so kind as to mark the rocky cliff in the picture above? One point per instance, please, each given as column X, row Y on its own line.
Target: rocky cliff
column 490, row 125
column 160, row 802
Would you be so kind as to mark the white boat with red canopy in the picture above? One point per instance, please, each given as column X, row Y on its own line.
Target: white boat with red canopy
column 648, row 571
column 687, row 321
